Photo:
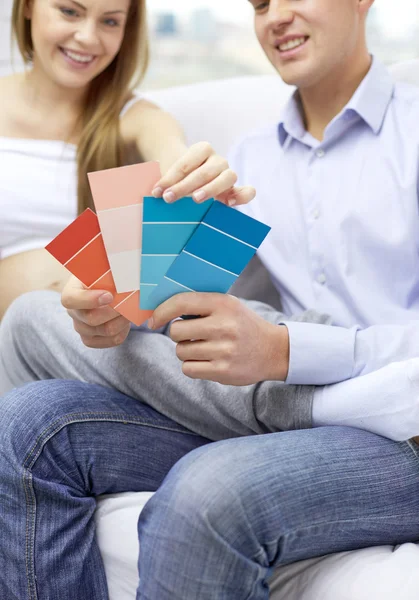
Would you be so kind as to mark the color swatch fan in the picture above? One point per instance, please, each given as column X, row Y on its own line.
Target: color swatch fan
column 144, row 251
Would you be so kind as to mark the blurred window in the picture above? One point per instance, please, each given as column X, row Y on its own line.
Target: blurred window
column 198, row 40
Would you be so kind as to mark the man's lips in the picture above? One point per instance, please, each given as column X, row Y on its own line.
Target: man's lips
column 290, row 42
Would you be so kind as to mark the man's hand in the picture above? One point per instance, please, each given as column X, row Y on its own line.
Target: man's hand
column 98, row 325
column 202, row 174
column 229, row 343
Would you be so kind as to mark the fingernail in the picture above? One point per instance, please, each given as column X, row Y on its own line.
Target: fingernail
column 105, row 299
column 157, row 192
column 169, row 196
column 199, row 196
column 232, row 202
column 150, row 323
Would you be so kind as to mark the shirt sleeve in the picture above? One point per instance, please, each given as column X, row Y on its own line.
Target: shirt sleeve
column 320, row 355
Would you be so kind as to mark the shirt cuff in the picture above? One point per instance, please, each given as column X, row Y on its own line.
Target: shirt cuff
column 320, row 354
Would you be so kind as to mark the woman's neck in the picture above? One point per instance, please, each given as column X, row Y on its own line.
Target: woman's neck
column 44, row 95
column 54, row 109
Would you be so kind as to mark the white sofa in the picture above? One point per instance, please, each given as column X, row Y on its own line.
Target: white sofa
column 220, row 112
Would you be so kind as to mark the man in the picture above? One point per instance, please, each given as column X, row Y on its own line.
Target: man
column 338, row 180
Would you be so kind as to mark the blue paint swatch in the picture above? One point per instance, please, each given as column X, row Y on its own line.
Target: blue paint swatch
column 214, row 257
column 166, row 230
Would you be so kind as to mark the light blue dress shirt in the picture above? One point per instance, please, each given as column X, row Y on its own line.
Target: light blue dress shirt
column 345, row 228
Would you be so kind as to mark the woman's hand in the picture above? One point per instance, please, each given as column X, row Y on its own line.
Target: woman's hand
column 97, row 323
column 197, row 171
column 202, row 174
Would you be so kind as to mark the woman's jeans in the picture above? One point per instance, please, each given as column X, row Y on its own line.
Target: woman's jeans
column 224, row 517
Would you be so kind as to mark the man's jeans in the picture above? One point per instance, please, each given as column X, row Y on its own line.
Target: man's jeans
column 226, row 515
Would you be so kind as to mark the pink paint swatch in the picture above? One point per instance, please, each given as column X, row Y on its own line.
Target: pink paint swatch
column 118, row 196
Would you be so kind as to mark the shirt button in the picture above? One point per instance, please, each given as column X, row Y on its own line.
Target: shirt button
column 321, row 278
column 316, row 214
column 320, row 153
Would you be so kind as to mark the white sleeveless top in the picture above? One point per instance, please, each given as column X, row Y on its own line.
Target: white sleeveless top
column 38, row 191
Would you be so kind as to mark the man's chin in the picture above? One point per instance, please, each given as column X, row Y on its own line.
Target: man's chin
column 295, row 76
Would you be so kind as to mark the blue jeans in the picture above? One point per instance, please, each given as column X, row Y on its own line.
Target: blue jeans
column 223, row 518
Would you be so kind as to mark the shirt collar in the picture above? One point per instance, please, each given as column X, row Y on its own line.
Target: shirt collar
column 370, row 102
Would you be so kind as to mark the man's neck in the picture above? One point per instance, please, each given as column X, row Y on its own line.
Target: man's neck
column 321, row 103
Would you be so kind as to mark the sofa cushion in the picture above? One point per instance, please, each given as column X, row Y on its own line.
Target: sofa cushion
column 384, row 573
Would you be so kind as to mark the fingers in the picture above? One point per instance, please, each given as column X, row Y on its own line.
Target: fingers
column 217, row 186
column 205, row 370
column 108, row 335
column 110, row 329
column 202, row 174
column 97, row 323
column 212, row 178
column 194, row 329
column 237, row 195
column 195, row 157
column 202, row 351
column 187, row 303
column 94, row 317
column 99, row 342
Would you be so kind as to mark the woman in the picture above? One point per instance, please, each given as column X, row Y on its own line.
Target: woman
column 73, row 111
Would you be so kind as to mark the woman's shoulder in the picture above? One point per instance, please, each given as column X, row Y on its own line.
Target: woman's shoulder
column 136, row 111
column 10, row 103
column 9, row 85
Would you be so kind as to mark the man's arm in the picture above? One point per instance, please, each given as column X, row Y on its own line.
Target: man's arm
column 323, row 355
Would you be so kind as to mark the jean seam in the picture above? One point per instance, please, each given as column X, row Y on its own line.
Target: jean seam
column 411, row 448
column 30, row 534
column 33, row 454
column 73, row 418
column 336, row 522
column 256, row 582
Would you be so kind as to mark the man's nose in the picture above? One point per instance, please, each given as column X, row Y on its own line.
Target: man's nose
column 280, row 13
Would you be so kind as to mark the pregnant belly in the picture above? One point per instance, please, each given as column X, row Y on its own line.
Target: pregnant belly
column 28, row 271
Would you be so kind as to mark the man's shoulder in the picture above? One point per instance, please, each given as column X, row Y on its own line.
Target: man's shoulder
column 406, row 96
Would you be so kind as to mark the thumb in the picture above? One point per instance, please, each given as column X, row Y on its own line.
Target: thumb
column 76, row 296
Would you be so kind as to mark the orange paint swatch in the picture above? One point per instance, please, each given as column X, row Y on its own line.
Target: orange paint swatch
column 81, row 250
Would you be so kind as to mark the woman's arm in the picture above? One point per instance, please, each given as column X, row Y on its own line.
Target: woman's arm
column 197, row 171
column 29, row 271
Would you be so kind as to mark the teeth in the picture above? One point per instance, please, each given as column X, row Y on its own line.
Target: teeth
column 78, row 57
column 292, row 44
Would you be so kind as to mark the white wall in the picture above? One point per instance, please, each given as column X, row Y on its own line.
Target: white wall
column 5, row 7
column 5, row 52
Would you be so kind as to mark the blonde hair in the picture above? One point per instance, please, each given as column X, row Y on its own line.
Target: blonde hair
column 100, row 143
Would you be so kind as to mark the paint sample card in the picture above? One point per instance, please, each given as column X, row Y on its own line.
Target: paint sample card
column 167, row 229
column 215, row 256
column 81, row 250
column 118, row 196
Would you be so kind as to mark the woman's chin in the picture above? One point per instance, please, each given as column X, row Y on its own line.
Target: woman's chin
column 74, row 82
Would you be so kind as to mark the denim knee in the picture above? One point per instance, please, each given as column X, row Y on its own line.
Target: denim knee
column 205, row 488
column 32, row 413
